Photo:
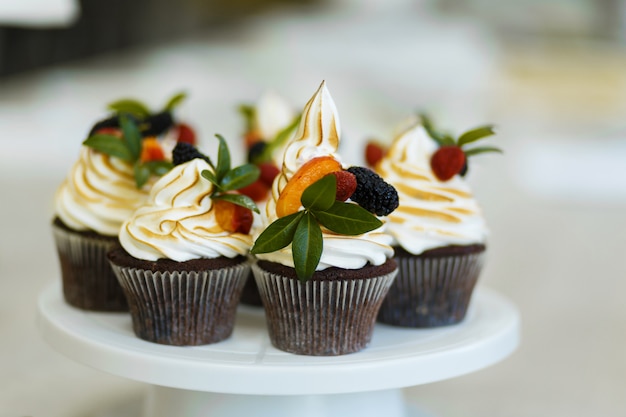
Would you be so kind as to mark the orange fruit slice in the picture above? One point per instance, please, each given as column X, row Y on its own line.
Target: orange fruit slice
column 313, row 170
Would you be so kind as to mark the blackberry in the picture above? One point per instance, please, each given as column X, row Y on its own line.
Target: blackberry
column 157, row 123
column 256, row 150
column 372, row 192
column 184, row 152
column 112, row 121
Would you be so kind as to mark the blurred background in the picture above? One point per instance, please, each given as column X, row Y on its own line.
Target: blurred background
column 551, row 74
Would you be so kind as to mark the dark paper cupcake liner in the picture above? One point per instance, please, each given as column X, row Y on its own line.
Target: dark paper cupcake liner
column 183, row 308
column 431, row 291
column 88, row 280
column 321, row 317
column 250, row 294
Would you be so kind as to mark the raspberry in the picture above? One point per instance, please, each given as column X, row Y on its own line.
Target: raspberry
column 346, row 185
column 447, row 161
column 373, row 193
column 186, row 134
column 257, row 191
column 373, row 153
column 269, row 171
column 184, row 152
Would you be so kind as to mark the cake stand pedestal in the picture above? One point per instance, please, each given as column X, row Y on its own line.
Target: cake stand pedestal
column 246, row 375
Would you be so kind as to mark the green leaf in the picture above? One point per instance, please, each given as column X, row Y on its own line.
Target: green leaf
column 239, row 199
column 223, row 159
column 347, row 219
column 482, row 149
column 159, row 167
column 240, row 177
column 307, row 246
column 175, row 101
column 210, row 176
column 278, row 235
column 278, row 141
column 131, row 136
column 130, row 106
column 321, row 194
column 110, row 145
column 142, row 174
column 476, row 134
column 441, row 138
column 248, row 112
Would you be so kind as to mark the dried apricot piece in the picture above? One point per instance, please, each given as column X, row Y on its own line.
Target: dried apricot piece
column 311, row 171
column 151, row 150
column 232, row 217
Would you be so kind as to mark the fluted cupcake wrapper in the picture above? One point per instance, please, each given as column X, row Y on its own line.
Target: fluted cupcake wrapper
column 88, row 281
column 321, row 317
column 183, row 308
column 431, row 291
column 250, row 293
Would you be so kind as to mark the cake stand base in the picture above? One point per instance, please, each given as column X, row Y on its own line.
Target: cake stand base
column 168, row 402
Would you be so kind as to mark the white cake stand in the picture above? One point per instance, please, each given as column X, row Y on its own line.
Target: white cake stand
column 246, row 375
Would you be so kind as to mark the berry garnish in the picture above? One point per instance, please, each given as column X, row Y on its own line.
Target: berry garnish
column 109, row 122
column 256, row 150
column 184, row 152
column 373, row 193
column 346, row 185
column 185, row 134
column 302, row 229
column 451, row 158
column 113, row 131
column 447, row 161
column 269, row 171
column 157, row 123
column 257, row 191
column 374, row 152
column 233, row 218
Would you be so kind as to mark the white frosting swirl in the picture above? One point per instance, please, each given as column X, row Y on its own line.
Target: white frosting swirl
column 272, row 115
column 432, row 213
column 318, row 135
column 178, row 222
column 98, row 194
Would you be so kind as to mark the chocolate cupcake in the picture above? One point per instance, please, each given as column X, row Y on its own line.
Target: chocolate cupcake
column 183, row 263
column 118, row 163
column 324, row 264
column 438, row 230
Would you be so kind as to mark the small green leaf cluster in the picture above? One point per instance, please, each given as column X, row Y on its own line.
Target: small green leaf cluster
column 302, row 229
column 140, row 110
column 226, row 179
column 473, row 135
column 128, row 148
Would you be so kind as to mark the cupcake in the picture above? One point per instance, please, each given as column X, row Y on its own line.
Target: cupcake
column 439, row 233
column 269, row 124
column 111, row 178
column 323, row 264
column 182, row 258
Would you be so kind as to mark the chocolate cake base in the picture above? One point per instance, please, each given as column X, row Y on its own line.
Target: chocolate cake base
column 181, row 303
column 88, row 280
column 333, row 313
column 434, row 288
